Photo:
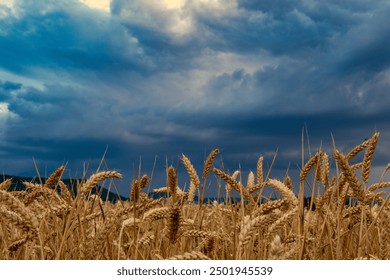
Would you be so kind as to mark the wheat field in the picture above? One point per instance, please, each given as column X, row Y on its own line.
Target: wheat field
column 347, row 218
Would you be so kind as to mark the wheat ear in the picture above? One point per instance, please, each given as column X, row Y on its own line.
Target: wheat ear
column 5, row 184
column 194, row 255
column 194, row 184
column 97, row 177
column 384, row 249
column 276, row 248
column 234, row 177
column 65, row 193
column 377, row 186
column 350, row 176
column 209, row 162
column 15, row 245
column 287, row 181
column 249, row 226
column 250, row 183
column 143, row 181
column 18, row 207
column 282, row 221
column 284, row 190
column 368, row 157
column 198, row 233
column 27, row 225
column 157, row 213
column 325, row 170
column 259, row 170
column 174, row 222
column 351, row 154
column 135, row 190
column 269, row 206
column 172, row 181
column 54, row 177
column 312, row 161
column 235, row 185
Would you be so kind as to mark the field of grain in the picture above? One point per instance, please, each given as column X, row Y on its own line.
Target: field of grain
column 347, row 218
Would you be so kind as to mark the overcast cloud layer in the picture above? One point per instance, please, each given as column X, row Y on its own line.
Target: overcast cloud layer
column 151, row 81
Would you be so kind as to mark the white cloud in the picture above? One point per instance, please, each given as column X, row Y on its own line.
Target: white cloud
column 169, row 17
column 173, row 4
column 103, row 5
column 7, row 3
column 176, row 18
column 3, row 110
column 6, row 8
column 5, row 116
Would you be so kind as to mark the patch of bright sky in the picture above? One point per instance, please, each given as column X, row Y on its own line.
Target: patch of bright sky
column 173, row 4
column 7, row 3
column 5, row 114
column 3, row 109
column 213, row 64
column 180, row 25
column 181, row 21
column 98, row 4
column 105, row 4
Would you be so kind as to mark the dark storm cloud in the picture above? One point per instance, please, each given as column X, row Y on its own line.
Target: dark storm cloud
column 280, row 27
column 8, row 86
column 65, row 35
column 243, row 76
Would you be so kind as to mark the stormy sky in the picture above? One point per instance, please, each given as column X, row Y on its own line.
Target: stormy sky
column 149, row 80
